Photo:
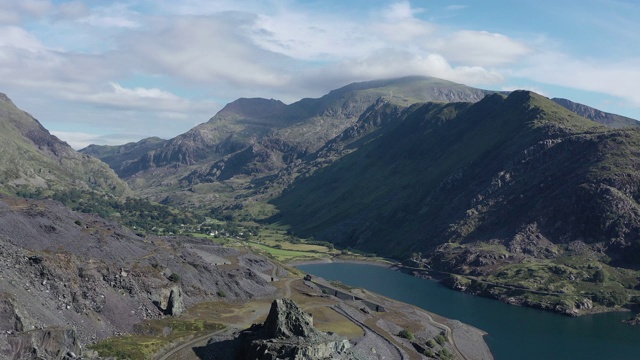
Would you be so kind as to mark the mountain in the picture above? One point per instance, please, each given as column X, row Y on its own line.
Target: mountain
column 251, row 140
column 513, row 190
column 605, row 118
column 463, row 172
column 34, row 159
column 120, row 156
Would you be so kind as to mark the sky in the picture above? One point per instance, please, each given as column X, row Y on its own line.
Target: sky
column 110, row 72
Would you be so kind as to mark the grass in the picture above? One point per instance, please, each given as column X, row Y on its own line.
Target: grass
column 571, row 279
column 153, row 336
column 287, row 255
column 328, row 320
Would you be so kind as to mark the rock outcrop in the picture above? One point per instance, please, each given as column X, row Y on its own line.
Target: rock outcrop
column 50, row 343
column 19, row 339
column 11, row 320
column 288, row 333
column 170, row 301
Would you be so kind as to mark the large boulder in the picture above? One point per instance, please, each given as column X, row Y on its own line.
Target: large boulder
column 169, row 300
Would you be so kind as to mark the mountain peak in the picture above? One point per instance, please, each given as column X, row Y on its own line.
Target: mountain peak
column 254, row 107
column 5, row 99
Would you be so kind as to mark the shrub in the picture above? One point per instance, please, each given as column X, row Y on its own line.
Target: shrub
column 174, row 277
column 599, row 276
column 221, row 293
column 445, row 354
column 404, row 333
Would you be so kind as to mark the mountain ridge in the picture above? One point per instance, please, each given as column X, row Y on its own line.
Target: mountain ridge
column 243, row 143
column 602, row 117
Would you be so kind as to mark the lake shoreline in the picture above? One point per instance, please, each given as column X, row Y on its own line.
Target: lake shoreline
column 434, row 275
column 381, row 263
column 502, row 322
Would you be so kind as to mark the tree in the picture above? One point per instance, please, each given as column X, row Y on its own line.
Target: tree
column 599, row 276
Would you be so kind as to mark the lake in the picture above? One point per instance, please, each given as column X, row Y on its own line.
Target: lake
column 514, row 332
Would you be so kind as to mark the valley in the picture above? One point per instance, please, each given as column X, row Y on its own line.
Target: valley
column 506, row 195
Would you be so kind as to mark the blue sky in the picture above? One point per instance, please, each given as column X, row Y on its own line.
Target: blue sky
column 110, row 72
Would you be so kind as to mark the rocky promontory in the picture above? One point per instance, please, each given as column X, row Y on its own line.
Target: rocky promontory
column 288, row 333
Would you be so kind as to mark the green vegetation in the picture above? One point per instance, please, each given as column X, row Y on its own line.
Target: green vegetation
column 139, row 214
column 174, row 277
column 151, row 337
column 404, row 333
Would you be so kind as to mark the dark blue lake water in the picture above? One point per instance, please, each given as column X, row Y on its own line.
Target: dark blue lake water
column 514, row 332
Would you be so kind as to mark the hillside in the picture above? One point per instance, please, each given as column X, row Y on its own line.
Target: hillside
column 468, row 172
column 118, row 157
column 71, row 279
column 31, row 158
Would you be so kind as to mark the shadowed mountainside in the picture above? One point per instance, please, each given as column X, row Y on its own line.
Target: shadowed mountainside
column 475, row 172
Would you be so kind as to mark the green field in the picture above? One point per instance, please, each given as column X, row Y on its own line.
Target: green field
column 151, row 337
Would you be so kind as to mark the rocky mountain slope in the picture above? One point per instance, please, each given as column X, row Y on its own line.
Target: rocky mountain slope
column 31, row 158
column 469, row 172
column 81, row 279
column 120, row 156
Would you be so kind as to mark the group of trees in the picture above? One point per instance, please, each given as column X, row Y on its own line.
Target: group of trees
column 140, row 214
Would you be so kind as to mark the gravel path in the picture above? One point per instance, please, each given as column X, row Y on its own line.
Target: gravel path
column 372, row 345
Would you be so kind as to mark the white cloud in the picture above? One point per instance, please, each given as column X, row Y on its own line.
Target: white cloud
column 149, row 99
column 308, row 37
column 109, row 21
column 18, row 38
column 71, row 10
column 77, row 140
column 209, row 50
column 35, row 7
column 480, row 48
column 14, row 12
column 396, row 63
